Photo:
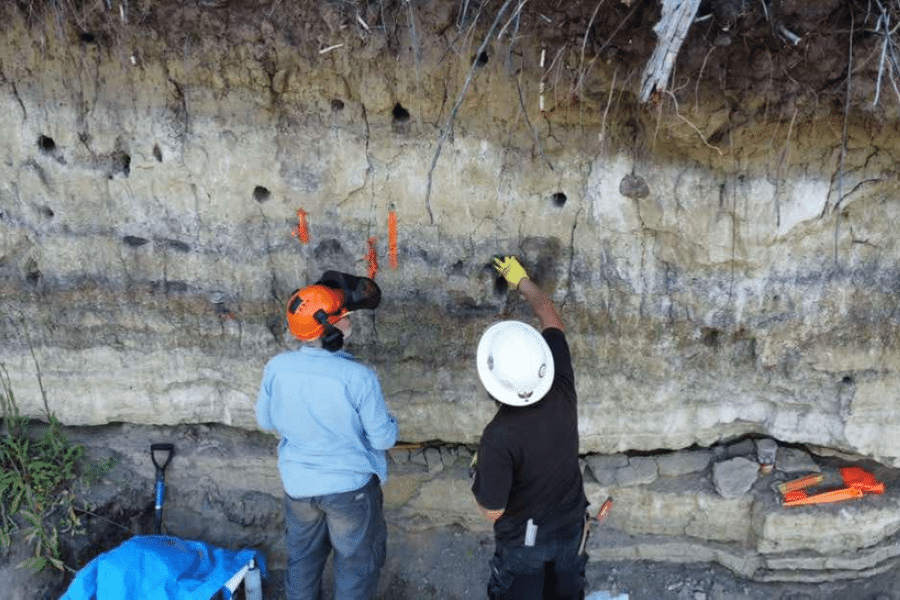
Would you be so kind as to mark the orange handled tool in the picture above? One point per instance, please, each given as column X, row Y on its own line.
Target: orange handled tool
column 825, row 497
column 859, row 482
column 799, row 484
column 604, row 510
column 862, row 480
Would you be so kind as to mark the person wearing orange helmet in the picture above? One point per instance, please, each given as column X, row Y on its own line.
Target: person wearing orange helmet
column 527, row 476
column 334, row 427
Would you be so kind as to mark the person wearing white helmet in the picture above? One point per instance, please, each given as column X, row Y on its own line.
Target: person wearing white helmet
column 527, row 476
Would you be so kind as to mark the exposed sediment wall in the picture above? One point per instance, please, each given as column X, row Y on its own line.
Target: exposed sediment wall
column 726, row 264
column 150, row 193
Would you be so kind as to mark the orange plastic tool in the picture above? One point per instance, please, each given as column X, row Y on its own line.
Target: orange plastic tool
column 793, row 495
column 858, row 481
column 798, row 484
column 862, row 480
column 604, row 510
column 824, row 497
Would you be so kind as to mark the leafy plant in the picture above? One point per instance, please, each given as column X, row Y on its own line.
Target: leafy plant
column 39, row 473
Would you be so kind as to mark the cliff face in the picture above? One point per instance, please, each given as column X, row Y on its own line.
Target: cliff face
column 725, row 256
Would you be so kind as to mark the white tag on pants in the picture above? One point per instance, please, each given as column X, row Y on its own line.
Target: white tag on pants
column 530, row 533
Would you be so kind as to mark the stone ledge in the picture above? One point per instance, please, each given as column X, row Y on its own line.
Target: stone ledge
column 608, row 544
column 861, row 560
column 670, row 519
column 611, row 545
column 823, row 576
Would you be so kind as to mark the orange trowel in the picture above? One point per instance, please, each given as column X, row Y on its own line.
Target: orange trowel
column 858, row 481
column 862, row 480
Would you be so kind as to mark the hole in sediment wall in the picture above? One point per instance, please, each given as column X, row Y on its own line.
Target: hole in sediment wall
column 173, row 287
column 481, row 59
column 559, row 199
column 337, row 105
column 32, row 272
column 328, row 249
column 401, row 115
column 710, row 336
column 134, row 241
column 261, row 194
column 46, row 144
column 501, row 287
column 157, row 153
column 87, row 37
column 119, row 162
column 177, row 245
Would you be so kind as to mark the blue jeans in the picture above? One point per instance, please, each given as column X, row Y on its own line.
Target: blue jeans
column 552, row 569
column 350, row 523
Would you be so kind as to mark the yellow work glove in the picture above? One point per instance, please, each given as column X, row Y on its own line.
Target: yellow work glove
column 511, row 270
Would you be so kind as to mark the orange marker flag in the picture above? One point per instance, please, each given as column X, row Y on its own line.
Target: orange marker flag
column 372, row 257
column 392, row 238
column 302, row 230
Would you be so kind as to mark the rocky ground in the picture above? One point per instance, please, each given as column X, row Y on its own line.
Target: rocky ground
column 447, row 562
column 450, row 564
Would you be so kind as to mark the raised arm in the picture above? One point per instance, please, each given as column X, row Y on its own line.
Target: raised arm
column 537, row 298
column 541, row 304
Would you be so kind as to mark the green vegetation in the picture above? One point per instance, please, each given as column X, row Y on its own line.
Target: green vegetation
column 40, row 472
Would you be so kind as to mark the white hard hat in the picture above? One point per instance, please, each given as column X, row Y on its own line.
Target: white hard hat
column 515, row 363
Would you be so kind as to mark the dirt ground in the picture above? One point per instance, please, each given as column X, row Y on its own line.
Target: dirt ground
column 441, row 563
column 451, row 564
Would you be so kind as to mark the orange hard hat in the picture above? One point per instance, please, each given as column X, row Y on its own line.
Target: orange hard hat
column 304, row 307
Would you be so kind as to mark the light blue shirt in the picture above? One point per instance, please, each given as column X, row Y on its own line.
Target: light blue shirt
column 332, row 418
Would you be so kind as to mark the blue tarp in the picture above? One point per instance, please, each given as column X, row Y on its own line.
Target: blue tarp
column 158, row 567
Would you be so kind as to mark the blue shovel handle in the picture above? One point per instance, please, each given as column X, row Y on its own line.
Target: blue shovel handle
column 160, row 480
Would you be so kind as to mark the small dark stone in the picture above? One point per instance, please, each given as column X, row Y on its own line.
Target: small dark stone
column 634, row 187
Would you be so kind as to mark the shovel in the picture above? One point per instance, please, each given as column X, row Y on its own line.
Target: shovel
column 169, row 450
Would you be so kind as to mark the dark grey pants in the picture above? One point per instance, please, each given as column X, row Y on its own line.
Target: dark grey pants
column 350, row 523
